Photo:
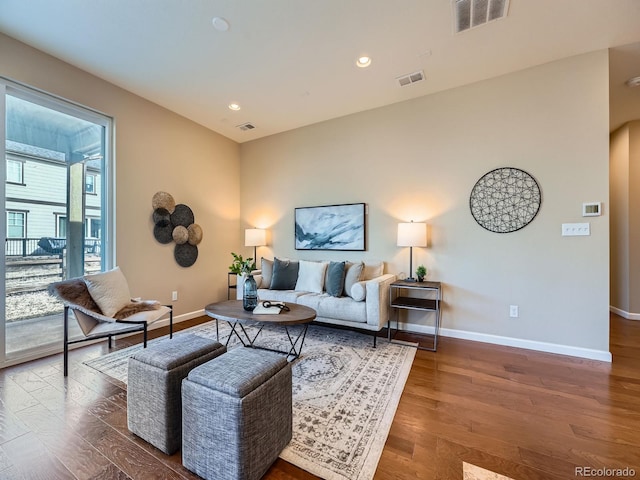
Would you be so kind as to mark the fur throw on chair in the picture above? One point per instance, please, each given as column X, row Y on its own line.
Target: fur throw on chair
column 74, row 292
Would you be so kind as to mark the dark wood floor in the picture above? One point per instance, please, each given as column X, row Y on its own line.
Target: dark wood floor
column 520, row 413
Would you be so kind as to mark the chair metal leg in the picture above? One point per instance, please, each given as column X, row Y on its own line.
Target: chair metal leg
column 375, row 338
column 171, row 322
column 66, row 340
column 145, row 335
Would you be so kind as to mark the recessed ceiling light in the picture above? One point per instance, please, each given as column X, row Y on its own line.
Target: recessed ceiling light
column 363, row 61
column 234, row 106
column 220, row 24
column 633, row 82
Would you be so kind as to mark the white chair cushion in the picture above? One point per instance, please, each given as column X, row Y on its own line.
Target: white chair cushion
column 109, row 290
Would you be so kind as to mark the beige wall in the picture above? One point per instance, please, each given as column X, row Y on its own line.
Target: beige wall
column 414, row 160
column 419, row 160
column 155, row 150
column 625, row 224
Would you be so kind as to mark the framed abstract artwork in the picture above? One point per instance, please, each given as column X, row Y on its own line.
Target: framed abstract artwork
column 331, row 227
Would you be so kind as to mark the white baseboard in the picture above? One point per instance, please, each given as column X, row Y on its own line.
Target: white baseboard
column 513, row 342
column 177, row 319
column 623, row 314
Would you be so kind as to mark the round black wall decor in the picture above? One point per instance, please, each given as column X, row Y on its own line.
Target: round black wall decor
column 176, row 223
column 505, row 200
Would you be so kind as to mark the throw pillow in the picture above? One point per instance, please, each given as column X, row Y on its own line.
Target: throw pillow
column 372, row 270
column 311, row 276
column 267, row 272
column 359, row 291
column 285, row 274
column 109, row 290
column 334, row 280
column 353, row 275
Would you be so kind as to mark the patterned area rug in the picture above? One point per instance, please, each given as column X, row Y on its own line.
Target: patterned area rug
column 345, row 394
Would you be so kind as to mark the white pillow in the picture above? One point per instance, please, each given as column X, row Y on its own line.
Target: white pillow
column 359, row 291
column 311, row 276
column 372, row 270
column 353, row 275
column 109, row 290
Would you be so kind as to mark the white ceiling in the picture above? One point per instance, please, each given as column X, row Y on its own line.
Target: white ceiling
column 290, row 63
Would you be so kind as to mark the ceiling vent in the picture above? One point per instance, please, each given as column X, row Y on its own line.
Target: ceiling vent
column 246, row 126
column 473, row 13
column 410, row 78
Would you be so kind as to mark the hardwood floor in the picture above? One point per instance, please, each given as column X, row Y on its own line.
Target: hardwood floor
column 523, row 414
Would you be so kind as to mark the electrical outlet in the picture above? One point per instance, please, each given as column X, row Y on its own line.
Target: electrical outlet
column 513, row 311
column 174, row 295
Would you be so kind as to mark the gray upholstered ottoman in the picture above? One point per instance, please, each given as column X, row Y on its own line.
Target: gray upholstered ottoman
column 236, row 414
column 154, row 407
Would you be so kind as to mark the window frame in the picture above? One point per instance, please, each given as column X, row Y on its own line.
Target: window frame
column 24, row 222
column 19, row 162
column 107, row 175
column 94, row 183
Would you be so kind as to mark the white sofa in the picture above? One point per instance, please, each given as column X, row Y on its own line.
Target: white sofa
column 368, row 313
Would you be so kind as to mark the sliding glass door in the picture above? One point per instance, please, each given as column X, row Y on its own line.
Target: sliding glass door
column 57, row 209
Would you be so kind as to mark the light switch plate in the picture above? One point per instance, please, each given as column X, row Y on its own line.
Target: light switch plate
column 576, row 229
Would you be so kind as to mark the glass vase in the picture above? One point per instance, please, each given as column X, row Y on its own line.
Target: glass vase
column 250, row 295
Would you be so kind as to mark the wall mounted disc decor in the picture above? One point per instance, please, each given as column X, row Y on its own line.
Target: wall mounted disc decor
column 505, row 200
column 176, row 223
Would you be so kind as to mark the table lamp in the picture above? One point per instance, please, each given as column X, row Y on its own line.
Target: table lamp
column 412, row 235
column 255, row 237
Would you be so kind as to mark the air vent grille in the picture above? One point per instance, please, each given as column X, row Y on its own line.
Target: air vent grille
column 246, row 126
column 410, row 78
column 473, row 13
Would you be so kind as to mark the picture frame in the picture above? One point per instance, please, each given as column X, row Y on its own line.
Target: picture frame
column 331, row 227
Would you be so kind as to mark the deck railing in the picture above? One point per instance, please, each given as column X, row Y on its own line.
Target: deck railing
column 43, row 246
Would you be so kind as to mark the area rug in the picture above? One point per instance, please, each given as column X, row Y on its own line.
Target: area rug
column 345, row 394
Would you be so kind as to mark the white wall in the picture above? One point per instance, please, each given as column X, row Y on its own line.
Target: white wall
column 419, row 160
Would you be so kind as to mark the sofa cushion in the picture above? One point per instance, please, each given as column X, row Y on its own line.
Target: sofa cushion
column 266, row 267
column 334, row 279
column 285, row 274
column 359, row 291
column 311, row 276
column 353, row 275
column 372, row 270
column 343, row 308
column 287, row 296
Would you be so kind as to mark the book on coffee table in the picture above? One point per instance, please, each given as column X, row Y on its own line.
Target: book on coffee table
column 274, row 309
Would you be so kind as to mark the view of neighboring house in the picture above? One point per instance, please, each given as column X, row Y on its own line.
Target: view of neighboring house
column 36, row 193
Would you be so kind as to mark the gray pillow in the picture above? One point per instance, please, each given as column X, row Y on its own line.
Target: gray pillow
column 285, row 274
column 334, row 279
column 267, row 272
column 353, row 275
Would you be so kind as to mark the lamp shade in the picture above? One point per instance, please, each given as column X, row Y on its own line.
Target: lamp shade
column 412, row 234
column 255, row 237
